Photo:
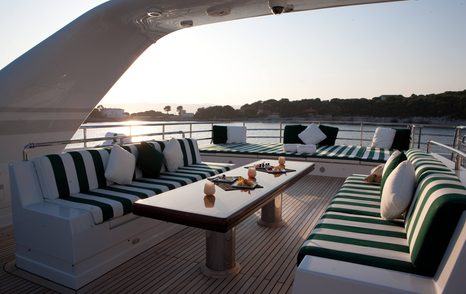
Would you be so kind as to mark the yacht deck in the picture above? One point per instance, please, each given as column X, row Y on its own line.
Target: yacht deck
column 267, row 255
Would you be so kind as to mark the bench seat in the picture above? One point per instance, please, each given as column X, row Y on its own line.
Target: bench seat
column 343, row 152
column 351, row 230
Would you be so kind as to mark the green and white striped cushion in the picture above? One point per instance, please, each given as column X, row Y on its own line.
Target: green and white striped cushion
column 425, row 163
column 438, row 203
column 339, row 152
column 331, row 152
column 375, row 154
column 359, row 239
column 357, row 197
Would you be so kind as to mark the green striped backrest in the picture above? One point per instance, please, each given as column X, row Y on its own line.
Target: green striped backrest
column 61, row 175
column 438, row 203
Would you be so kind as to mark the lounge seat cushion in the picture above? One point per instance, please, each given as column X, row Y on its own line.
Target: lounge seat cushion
column 359, row 239
column 356, row 196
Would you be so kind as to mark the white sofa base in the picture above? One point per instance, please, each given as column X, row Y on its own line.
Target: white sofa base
column 322, row 275
column 149, row 233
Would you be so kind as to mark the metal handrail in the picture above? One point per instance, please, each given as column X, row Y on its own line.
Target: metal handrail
column 30, row 146
column 460, row 155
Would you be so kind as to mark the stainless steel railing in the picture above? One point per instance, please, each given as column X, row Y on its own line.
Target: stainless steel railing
column 115, row 139
column 459, row 155
column 351, row 132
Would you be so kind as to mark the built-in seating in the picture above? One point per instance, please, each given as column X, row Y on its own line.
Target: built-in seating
column 72, row 225
column 339, row 152
column 352, row 229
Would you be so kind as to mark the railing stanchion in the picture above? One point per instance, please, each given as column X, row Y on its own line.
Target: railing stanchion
column 163, row 132
column 190, row 130
column 281, row 132
column 419, row 136
column 361, row 131
column 85, row 137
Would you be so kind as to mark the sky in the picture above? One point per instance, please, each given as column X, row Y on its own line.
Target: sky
column 359, row 51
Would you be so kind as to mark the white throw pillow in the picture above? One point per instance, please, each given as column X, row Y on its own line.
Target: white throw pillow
column 398, row 191
column 236, row 134
column 312, row 135
column 120, row 167
column 383, row 138
column 173, row 155
column 290, row 147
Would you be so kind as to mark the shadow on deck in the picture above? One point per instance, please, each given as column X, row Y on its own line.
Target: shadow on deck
column 267, row 255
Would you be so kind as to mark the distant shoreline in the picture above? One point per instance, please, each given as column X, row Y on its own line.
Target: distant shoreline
column 388, row 120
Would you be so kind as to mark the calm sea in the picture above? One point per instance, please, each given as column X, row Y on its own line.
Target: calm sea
column 349, row 134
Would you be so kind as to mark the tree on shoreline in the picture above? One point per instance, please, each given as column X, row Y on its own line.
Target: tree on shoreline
column 167, row 108
column 449, row 105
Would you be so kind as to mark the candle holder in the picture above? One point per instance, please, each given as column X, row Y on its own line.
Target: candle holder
column 281, row 161
column 252, row 172
column 209, row 188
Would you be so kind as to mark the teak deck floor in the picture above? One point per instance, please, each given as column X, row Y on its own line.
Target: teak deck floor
column 267, row 255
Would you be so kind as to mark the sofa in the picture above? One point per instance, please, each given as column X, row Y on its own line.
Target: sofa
column 336, row 160
column 72, row 225
column 352, row 248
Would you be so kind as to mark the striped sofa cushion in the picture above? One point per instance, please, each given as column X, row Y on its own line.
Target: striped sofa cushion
column 357, row 197
column 77, row 179
column 359, row 239
column 331, row 152
column 438, row 203
column 425, row 163
column 113, row 201
column 61, row 175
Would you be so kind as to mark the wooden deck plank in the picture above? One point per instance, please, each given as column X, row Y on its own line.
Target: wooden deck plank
column 267, row 255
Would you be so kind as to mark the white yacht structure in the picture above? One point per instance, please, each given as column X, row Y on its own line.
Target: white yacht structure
column 47, row 93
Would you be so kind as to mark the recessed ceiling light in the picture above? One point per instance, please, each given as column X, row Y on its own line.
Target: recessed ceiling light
column 186, row 23
column 154, row 12
column 219, row 10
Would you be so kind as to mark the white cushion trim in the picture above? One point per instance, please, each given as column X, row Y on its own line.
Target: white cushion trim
column 355, row 207
column 90, row 170
column 134, row 188
column 71, row 175
column 163, row 181
column 362, row 225
column 46, row 177
column 364, row 250
column 131, row 197
column 116, row 205
column 356, row 201
column 360, row 236
column 312, row 135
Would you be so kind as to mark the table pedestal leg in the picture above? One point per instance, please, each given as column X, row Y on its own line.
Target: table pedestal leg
column 220, row 254
column 271, row 214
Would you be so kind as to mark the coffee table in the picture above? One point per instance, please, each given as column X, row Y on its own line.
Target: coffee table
column 220, row 214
